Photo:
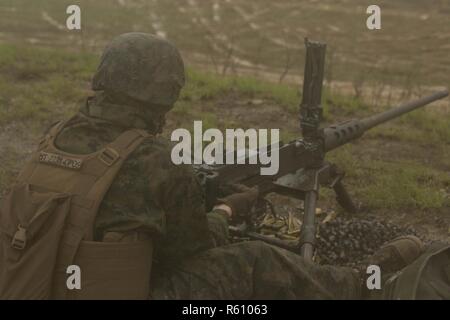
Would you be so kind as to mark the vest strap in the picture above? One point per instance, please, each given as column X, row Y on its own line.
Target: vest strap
column 92, row 181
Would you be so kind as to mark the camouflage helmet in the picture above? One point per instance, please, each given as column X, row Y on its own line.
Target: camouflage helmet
column 142, row 67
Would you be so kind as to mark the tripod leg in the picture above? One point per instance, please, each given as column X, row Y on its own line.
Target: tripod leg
column 308, row 232
column 343, row 198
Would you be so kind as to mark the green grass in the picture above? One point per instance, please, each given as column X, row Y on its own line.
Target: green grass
column 420, row 126
column 412, row 44
column 338, row 104
column 285, row 95
column 36, row 80
column 404, row 185
column 40, row 85
column 393, row 185
column 202, row 86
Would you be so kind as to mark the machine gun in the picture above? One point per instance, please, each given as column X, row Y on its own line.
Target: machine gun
column 302, row 165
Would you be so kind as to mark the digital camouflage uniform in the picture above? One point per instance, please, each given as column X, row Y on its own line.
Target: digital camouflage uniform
column 192, row 257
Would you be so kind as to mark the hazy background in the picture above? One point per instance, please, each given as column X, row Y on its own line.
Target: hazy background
column 262, row 37
column 245, row 64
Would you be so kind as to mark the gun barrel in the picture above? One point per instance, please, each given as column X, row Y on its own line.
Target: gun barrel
column 405, row 108
column 342, row 133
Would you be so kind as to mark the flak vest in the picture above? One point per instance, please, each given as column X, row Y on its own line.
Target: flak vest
column 47, row 225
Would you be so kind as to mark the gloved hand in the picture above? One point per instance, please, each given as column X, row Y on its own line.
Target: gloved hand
column 241, row 201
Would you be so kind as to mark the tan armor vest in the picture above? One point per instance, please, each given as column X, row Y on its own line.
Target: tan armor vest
column 46, row 225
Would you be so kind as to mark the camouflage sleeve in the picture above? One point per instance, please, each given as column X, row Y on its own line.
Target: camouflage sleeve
column 218, row 227
column 164, row 200
column 186, row 193
column 175, row 189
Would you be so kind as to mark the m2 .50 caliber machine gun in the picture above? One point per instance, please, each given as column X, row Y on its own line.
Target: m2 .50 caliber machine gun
column 302, row 165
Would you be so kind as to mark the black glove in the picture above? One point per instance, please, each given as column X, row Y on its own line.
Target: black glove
column 241, row 201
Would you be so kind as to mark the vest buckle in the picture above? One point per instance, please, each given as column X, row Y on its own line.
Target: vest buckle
column 19, row 240
column 108, row 156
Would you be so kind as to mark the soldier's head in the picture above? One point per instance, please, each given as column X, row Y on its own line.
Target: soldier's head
column 139, row 69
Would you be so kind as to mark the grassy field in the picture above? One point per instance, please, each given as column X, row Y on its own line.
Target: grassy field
column 236, row 52
column 233, row 36
column 399, row 170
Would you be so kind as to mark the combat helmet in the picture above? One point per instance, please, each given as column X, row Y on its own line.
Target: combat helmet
column 142, row 67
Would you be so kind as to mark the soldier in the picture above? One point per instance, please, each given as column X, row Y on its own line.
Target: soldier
column 137, row 82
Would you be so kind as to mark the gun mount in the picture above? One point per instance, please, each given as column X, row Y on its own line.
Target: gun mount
column 302, row 165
